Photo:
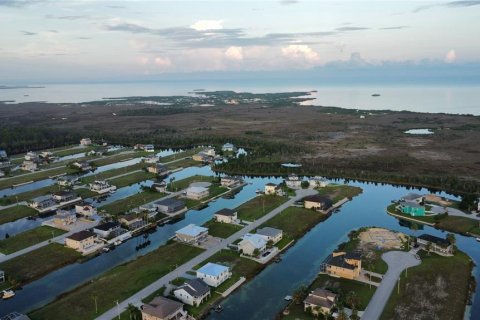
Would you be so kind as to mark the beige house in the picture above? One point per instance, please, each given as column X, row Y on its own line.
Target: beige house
column 157, row 168
column 270, row 189
column 161, row 308
column 320, row 301
column 85, row 142
column 197, row 193
column 85, row 209
column 191, row 234
column 317, row 202
column 81, row 241
column 130, row 220
column 28, row 165
column 64, row 218
column 226, row 216
column 346, row 265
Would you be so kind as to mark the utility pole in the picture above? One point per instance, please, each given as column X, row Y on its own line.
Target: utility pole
column 96, row 305
column 398, row 286
column 118, row 311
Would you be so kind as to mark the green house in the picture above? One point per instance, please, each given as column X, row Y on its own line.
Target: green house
column 412, row 208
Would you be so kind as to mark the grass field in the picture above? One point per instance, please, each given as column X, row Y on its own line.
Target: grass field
column 131, row 202
column 112, row 173
column 339, row 192
column 259, row 206
column 86, row 193
column 8, row 182
column 435, row 289
column 132, row 178
column 184, row 183
column 180, row 155
column 15, row 213
column 19, row 270
column 28, row 238
column 25, row 196
column 221, row 230
column 118, row 157
column 118, row 283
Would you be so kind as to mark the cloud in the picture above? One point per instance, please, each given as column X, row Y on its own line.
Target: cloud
column 234, row 53
column 28, row 33
column 162, row 62
column 288, row 2
column 351, row 28
column 451, row 56
column 204, row 25
column 300, row 51
column 456, row 4
column 71, row 17
column 18, row 3
column 394, row 28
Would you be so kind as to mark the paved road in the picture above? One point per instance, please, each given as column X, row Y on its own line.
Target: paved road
column 397, row 262
column 136, row 299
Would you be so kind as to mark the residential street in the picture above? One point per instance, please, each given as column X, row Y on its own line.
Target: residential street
column 397, row 262
column 136, row 299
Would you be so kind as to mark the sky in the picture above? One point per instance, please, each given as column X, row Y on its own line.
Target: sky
column 81, row 40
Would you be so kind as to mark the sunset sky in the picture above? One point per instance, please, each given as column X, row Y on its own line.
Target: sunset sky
column 69, row 40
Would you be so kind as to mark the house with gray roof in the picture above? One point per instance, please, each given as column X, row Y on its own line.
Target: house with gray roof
column 161, row 308
column 192, row 292
column 270, row 234
column 170, row 205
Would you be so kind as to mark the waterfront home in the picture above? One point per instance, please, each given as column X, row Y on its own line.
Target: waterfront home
column 252, row 244
column 228, row 147
column 85, row 209
column 413, row 197
column 131, row 221
column 64, row 196
column 2, row 174
column 105, row 229
column 81, row 241
column 214, row 274
column 160, row 186
column 46, row 156
column 42, row 202
column 139, row 146
column 273, row 189
column 412, row 208
column 149, row 148
column 318, row 182
column 192, row 292
column 3, row 155
column 161, row 308
column 230, row 182
column 4, row 160
column 197, row 193
column 29, row 166
column 438, row 245
column 170, row 205
column 32, row 156
column 85, row 142
column 270, row 234
column 293, row 181
column 191, row 234
column 203, row 157
column 64, row 218
column 209, row 152
column 102, row 186
column 157, row 168
column 346, row 265
column 67, row 181
column 82, row 165
column 226, row 216
column 151, row 159
column 15, row 316
column 319, row 301
column 317, row 202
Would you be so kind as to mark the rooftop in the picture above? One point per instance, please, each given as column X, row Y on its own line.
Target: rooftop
column 107, row 226
column 170, row 202
column 269, row 232
column 192, row 230
column 256, row 240
column 42, row 198
column 436, row 240
column 197, row 189
column 213, row 269
column 411, row 204
column 195, row 287
column 161, row 307
column 226, row 212
column 82, row 235
column 318, row 198
column 411, row 196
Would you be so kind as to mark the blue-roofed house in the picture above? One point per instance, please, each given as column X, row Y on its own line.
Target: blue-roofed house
column 191, row 234
column 251, row 244
column 214, row 274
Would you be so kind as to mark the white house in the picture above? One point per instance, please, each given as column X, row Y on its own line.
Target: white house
column 42, row 202
column 193, row 292
column 272, row 189
column 67, row 181
column 230, row 182
column 151, row 159
column 102, row 186
column 293, row 181
column 32, row 156
column 85, row 142
column 65, row 196
column 149, row 148
column 191, row 234
column 270, row 234
column 228, row 147
column 226, row 216
column 318, row 182
column 251, row 242
column 197, row 193
column 85, row 209
column 28, row 165
column 82, row 165
column 64, row 218
column 214, row 274
column 104, row 229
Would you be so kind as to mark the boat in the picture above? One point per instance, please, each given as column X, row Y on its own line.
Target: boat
column 105, row 249
column 258, row 191
column 288, row 298
column 376, row 95
column 7, row 294
column 118, row 242
column 218, row 308
column 478, row 239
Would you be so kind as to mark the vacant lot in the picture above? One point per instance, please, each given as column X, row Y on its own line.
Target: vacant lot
column 259, row 206
column 221, row 230
column 131, row 202
column 15, row 213
column 339, row 192
column 28, row 238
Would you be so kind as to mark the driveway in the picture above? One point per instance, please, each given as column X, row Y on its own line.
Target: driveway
column 397, row 262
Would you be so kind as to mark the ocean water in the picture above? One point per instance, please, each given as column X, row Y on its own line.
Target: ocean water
column 458, row 99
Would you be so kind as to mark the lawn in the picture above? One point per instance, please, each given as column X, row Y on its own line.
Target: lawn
column 179, row 155
column 15, row 213
column 130, row 179
column 25, row 196
column 131, row 202
column 40, row 175
column 86, row 193
column 295, row 221
column 221, row 230
column 435, row 289
column 72, row 151
column 259, row 206
column 183, row 164
column 28, row 238
column 184, row 183
column 19, row 270
column 117, row 158
column 118, row 283
column 112, row 173
column 339, row 192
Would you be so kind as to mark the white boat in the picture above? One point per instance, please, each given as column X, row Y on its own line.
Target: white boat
column 7, row 294
column 118, row 242
column 288, row 298
column 478, row 239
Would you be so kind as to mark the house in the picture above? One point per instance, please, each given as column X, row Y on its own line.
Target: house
column 4, row 160
column 82, row 165
column 197, row 193
column 29, row 166
column 157, row 168
column 270, row 234
column 32, row 156
column 230, row 182
column 85, row 209
column 226, row 216
column 293, row 181
column 160, row 186
column 320, row 301
column 15, row 316
column 2, row 174
column 149, row 148
column 214, row 274
column 317, row 202
column 273, row 189
column 102, row 186
column 318, row 182
column 228, row 147
column 67, row 181
column 192, row 234
column 64, row 196
column 161, row 308
column 103, row 230
column 131, row 221
column 46, row 155
column 42, row 202
column 413, row 197
column 209, row 152
column 252, row 243
column 346, row 265
column 203, row 157
column 65, row 218
column 169, row 205
column 151, row 159
column 81, row 241
column 412, row 208
column 438, row 245
column 193, row 292
column 85, row 142
column 138, row 146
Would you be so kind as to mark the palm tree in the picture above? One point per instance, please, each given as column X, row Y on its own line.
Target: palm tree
column 133, row 311
column 352, row 299
column 299, row 294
